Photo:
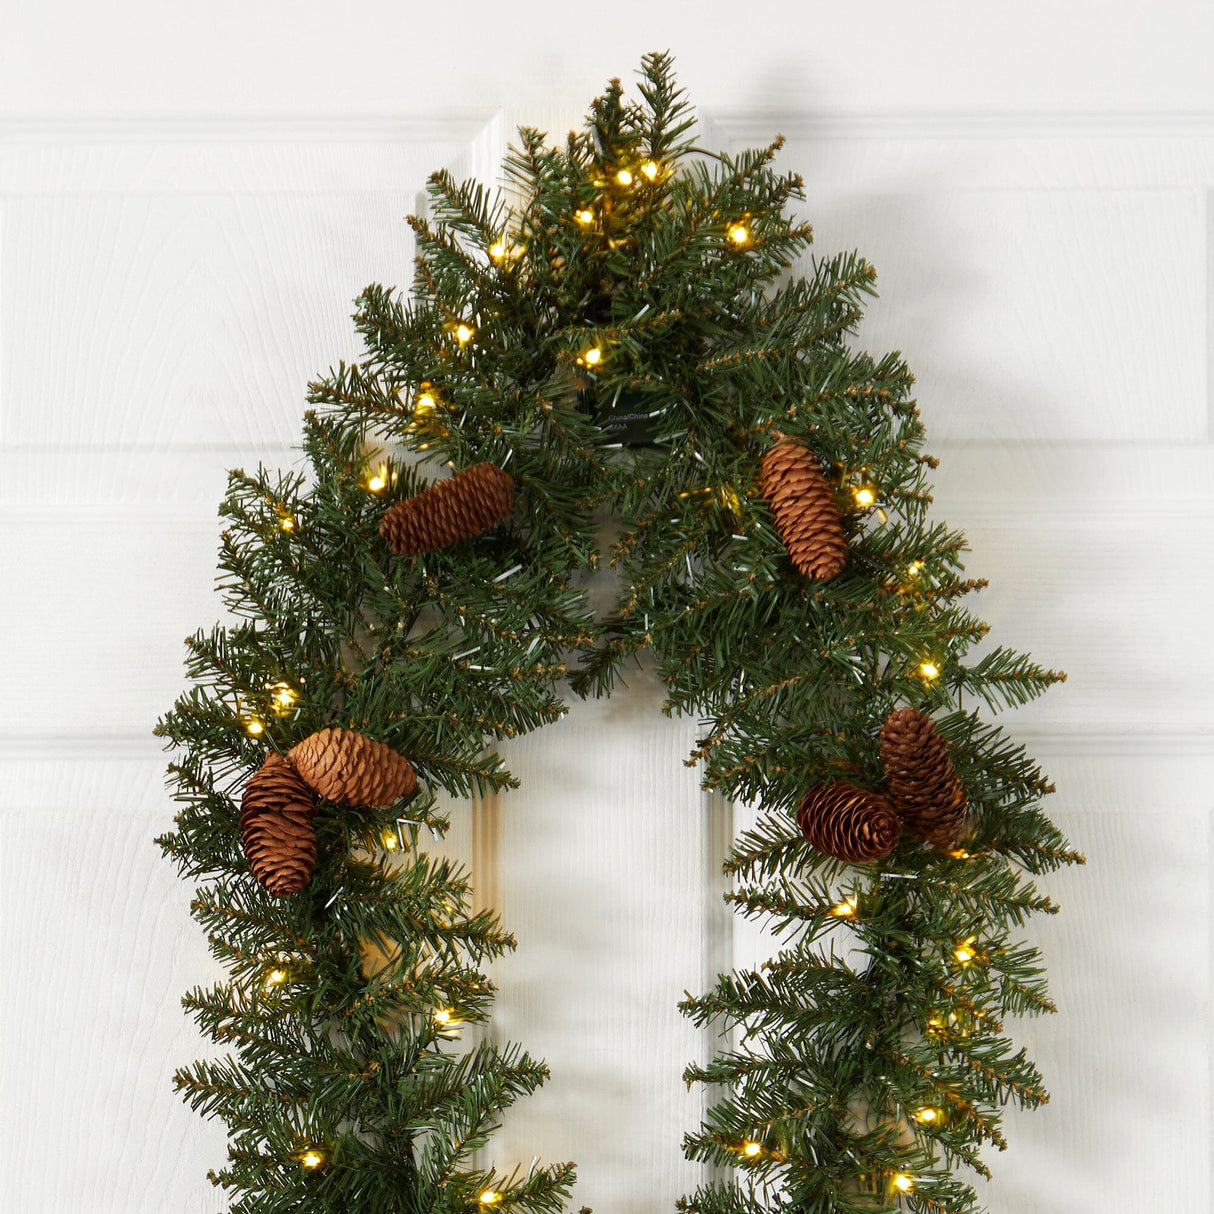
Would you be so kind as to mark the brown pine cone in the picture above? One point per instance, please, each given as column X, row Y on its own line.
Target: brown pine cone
column 805, row 509
column 923, row 786
column 276, row 827
column 849, row 823
column 456, row 509
column 345, row 767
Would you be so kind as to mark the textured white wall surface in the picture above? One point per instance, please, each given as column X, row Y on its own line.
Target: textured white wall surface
column 190, row 197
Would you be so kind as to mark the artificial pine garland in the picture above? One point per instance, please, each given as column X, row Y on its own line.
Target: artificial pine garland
column 777, row 559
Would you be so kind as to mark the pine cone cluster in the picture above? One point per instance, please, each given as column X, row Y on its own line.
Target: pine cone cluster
column 345, row 767
column 922, row 783
column 456, row 509
column 805, row 509
column 276, row 827
column 279, row 800
column 847, row 822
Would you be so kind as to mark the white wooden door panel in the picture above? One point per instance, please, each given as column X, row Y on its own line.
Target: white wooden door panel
column 98, row 950
column 180, row 294
column 102, row 658
column 1129, row 968
column 1038, row 314
column 1103, row 600
column 165, row 294
column 1037, row 290
column 601, row 874
column 186, row 320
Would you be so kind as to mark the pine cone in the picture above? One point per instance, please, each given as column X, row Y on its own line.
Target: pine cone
column 849, row 823
column 468, row 503
column 276, row 827
column 350, row 769
column 922, row 783
column 805, row 509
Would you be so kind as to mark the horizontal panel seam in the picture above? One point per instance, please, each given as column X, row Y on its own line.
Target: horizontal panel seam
column 1077, row 740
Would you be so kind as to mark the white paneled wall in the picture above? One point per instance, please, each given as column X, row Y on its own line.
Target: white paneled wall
column 602, row 856
column 167, row 289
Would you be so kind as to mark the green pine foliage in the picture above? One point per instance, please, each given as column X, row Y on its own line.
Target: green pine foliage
column 866, row 1065
column 347, row 1086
